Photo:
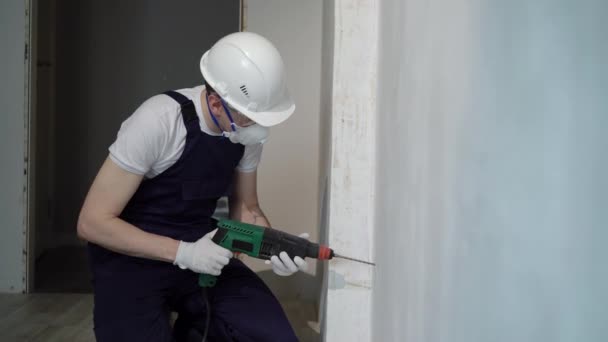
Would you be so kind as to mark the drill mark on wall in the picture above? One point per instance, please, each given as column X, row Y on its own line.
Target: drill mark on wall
column 337, row 281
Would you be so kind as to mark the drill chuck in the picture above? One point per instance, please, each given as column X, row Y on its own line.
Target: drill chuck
column 325, row 253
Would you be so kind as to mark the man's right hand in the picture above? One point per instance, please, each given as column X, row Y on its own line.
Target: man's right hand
column 202, row 256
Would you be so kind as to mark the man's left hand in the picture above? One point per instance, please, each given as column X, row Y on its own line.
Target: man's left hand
column 284, row 266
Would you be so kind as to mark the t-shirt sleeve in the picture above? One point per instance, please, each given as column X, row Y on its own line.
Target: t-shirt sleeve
column 251, row 158
column 141, row 138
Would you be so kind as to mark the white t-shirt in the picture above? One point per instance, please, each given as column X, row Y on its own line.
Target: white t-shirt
column 153, row 137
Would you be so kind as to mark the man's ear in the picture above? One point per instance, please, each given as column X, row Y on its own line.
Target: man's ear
column 215, row 103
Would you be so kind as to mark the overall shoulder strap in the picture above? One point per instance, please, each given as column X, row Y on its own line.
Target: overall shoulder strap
column 187, row 106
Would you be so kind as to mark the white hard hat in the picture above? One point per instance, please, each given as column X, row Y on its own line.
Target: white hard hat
column 247, row 71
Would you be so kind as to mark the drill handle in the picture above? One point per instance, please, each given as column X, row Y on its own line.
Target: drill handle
column 208, row 280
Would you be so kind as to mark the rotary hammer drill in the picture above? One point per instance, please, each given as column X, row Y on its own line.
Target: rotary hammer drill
column 262, row 243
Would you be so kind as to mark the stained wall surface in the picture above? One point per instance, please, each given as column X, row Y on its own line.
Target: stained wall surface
column 349, row 158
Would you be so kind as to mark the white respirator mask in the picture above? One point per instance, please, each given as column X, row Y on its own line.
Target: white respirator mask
column 250, row 135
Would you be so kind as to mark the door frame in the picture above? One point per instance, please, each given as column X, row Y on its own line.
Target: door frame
column 30, row 144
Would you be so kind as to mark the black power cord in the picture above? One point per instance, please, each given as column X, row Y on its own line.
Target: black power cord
column 208, row 309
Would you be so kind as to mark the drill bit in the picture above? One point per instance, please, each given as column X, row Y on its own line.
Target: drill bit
column 353, row 259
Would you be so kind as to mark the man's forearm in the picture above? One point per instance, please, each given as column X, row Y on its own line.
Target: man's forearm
column 251, row 215
column 118, row 235
column 258, row 217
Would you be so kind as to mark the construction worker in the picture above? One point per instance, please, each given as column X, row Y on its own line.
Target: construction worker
column 147, row 213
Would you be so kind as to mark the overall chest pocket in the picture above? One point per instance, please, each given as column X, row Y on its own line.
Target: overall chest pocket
column 198, row 189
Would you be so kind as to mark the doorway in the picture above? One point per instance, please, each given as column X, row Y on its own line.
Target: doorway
column 95, row 63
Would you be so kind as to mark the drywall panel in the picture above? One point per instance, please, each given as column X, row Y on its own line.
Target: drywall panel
column 491, row 175
column 352, row 172
column 289, row 172
column 13, row 34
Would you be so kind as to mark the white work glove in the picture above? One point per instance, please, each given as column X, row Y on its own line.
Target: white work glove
column 284, row 266
column 202, row 256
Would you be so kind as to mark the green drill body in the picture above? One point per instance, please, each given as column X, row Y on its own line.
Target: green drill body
column 262, row 243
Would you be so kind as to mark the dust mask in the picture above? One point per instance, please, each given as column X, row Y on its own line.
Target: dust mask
column 250, row 135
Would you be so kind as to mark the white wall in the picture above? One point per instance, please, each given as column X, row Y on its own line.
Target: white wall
column 289, row 172
column 13, row 26
column 491, row 187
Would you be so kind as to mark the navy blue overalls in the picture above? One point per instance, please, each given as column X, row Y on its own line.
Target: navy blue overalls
column 134, row 296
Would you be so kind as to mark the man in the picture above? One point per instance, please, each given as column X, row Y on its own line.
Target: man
column 147, row 214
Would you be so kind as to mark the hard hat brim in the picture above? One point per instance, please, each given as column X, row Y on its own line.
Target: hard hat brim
column 274, row 117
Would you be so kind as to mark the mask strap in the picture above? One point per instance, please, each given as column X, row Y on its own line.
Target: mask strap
column 232, row 124
column 213, row 116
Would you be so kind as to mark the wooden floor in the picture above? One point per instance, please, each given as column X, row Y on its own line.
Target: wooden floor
column 68, row 317
column 46, row 317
